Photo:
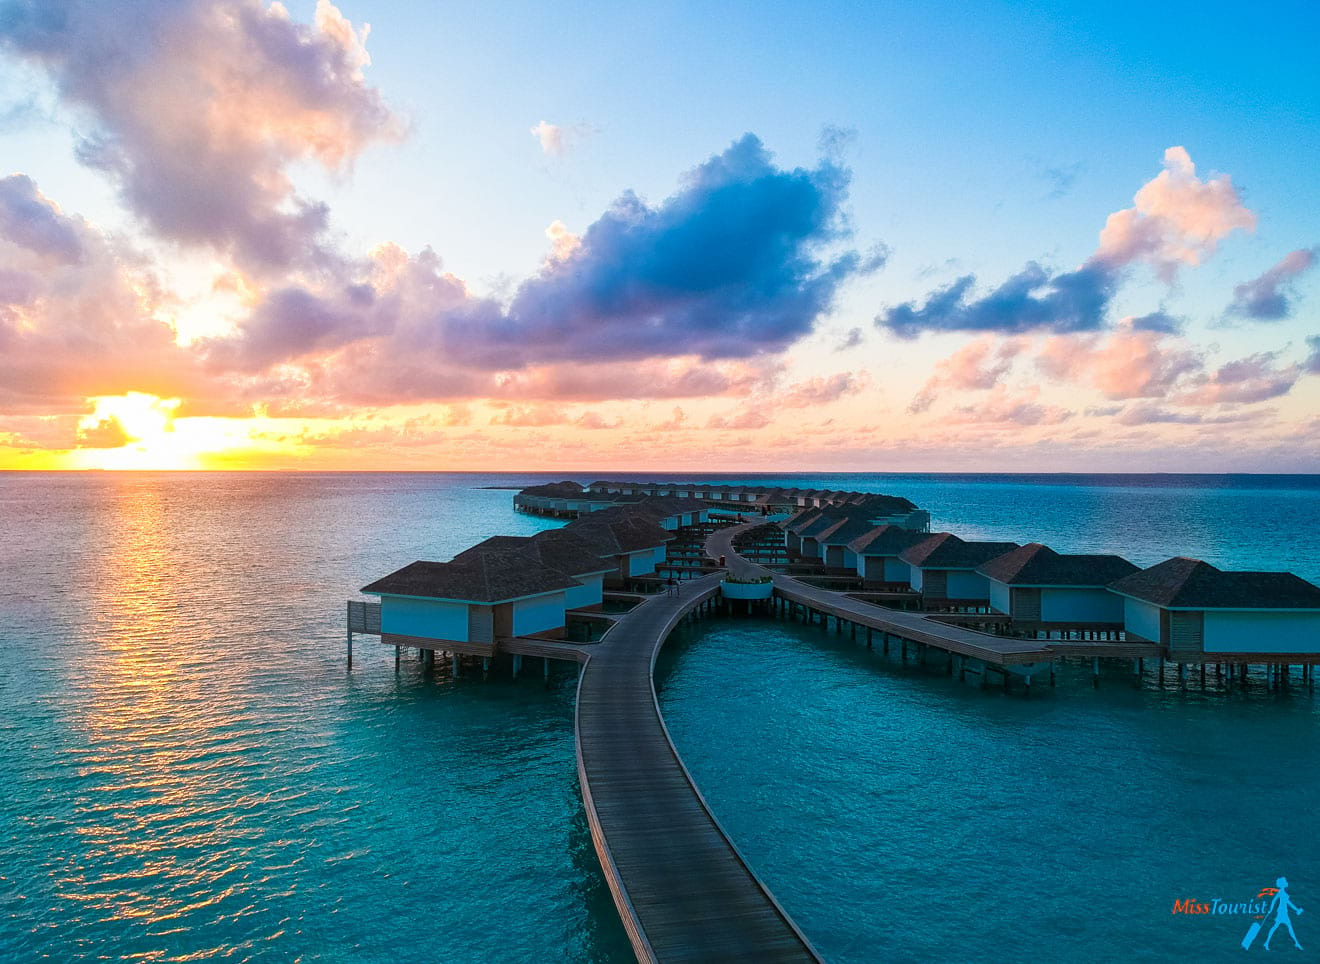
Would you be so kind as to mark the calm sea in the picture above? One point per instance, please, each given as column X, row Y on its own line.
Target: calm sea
column 187, row 771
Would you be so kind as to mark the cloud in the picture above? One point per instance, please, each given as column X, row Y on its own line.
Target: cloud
column 550, row 136
column 1269, row 297
column 980, row 364
column 106, row 433
column 851, row 340
column 563, row 242
column 1243, row 381
column 533, row 416
column 1145, row 413
column 1176, row 219
column 1157, row 321
column 677, row 422
column 1032, row 300
column 1132, row 361
column 1061, row 179
column 821, row 391
column 746, row 419
column 728, row 268
column 999, row 406
column 1312, row 363
column 32, row 221
column 593, row 420
column 80, row 313
column 202, row 108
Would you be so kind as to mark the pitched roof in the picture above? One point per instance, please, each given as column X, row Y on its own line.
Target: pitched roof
column 885, row 540
column 1182, row 583
column 618, row 535
column 848, row 529
column 489, row 576
column 555, row 548
column 1038, row 565
column 944, row 550
column 822, row 523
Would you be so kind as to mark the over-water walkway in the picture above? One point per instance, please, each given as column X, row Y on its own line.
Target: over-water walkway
column 916, row 627
column 682, row 889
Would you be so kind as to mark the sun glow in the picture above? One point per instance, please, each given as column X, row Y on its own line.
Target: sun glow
column 142, row 432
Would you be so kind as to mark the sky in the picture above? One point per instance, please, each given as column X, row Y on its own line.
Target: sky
column 682, row 237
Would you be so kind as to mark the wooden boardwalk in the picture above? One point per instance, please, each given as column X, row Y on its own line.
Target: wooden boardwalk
column 682, row 889
column 917, row 627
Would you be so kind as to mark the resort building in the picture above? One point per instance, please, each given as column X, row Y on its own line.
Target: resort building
column 1193, row 608
column 877, row 554
column 1036, row 585
column 809, row 535
column 492, row 593
column 634, row 544
column 835, row 542
column 942, row 568
column 560, row 549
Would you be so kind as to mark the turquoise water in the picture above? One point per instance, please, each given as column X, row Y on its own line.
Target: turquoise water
column 187, row 771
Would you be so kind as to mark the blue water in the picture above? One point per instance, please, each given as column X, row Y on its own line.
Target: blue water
column 187, row 771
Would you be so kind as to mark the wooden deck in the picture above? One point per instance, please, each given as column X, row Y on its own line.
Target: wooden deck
column 917, row 627
column 682, row 889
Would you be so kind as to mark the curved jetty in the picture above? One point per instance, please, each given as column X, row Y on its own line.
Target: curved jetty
column 683, row 890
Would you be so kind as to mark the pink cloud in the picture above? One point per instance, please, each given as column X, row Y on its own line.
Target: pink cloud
column 743, row 420
column 201, row 108
column 1268, row 297
column 1129, row 362
column 80, row 313
column 1255, row 378
column 821, row 391
column 980, row 364
column 1176, row 219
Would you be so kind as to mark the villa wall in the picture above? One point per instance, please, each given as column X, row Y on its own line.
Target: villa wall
column 1261, row 632
column 590, row 593
column 1000, row 597
column 968, row 585
column 643, row 562
column 1141, row 618
column 428, row 618
column 1080, row 606
column 538, row 614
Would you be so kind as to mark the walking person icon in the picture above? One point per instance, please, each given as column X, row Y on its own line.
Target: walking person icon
column 1282, row 902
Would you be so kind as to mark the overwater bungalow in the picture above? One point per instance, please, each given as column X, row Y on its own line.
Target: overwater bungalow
column 491, row 594
column 877, row 554
column 560, row 549
column 1193, row 608
column 808, row 535
column 835, row 542
column 635, row 544
column 1036, row 585
column 942, row 568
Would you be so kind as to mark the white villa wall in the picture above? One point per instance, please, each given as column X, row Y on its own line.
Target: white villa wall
column 914, row 577
column 590, row 593
column 1080, row 606
column 1000, row 600
column 538, row 614
column 968, row 585
column 1142, row 618
column 642, row 562
column 428, row 618
column 660, row 554
column 1248, row 632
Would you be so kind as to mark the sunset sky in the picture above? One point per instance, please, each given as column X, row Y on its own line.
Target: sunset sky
column 772, row 237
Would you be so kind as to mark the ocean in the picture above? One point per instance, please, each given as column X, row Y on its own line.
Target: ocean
column 189, row 772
